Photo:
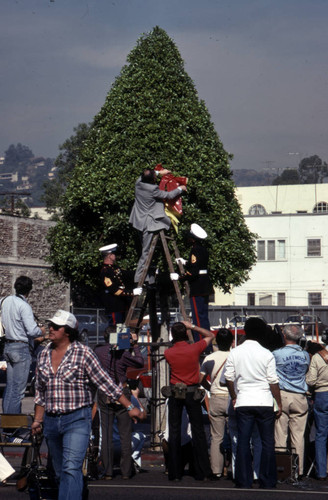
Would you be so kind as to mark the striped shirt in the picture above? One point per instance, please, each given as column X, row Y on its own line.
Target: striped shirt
column 73, row 385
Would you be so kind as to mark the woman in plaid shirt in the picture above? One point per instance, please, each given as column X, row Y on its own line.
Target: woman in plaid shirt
column 67, row 376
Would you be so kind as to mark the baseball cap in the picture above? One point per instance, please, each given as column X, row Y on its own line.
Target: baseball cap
column 64, row 318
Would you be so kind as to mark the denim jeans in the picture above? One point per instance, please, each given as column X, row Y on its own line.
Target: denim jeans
column 18, row 357
column 67, row 438
column 247, row 416
column 321, row 424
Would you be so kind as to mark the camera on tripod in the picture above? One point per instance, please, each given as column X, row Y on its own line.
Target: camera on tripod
column 121, row 338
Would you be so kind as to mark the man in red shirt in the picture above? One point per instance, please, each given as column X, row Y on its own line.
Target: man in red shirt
column 183, row 359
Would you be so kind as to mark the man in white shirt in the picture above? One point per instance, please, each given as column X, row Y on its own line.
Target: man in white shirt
column 253, row 369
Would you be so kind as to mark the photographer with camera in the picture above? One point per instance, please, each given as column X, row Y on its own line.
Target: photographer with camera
column 183, row 359
column 116, row 362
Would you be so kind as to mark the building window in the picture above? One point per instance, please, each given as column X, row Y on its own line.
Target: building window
column 321, row 207
column 251, row 299
column 271, row 250
column 261, row 250
column 281, row 299
column 257, row 210
column 314, row 248
column 314, row 299
column 281, row 249
column 265, row 299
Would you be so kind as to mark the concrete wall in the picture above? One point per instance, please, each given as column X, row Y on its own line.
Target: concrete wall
column 23, row 251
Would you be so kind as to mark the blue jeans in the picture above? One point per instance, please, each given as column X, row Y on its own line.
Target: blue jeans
column 67, row 438
column 247, row 416
column 18, row 357
column 321, row 425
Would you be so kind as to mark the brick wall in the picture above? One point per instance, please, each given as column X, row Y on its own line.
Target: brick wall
column 23, row 249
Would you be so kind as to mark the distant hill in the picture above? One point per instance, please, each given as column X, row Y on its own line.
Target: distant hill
column 21, row 171
column 248, row 177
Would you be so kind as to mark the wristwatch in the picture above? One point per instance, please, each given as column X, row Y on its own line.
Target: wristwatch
column 129, row 408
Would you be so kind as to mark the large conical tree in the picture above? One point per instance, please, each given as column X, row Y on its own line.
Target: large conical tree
column 151, row 115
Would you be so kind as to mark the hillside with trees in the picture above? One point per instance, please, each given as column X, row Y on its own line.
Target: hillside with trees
column 28, row 174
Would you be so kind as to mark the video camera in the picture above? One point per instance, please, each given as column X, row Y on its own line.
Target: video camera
column 120, row 339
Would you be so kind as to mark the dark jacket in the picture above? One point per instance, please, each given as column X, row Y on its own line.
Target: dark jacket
column 199, row 283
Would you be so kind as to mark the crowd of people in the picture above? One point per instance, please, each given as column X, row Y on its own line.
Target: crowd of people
column 258, row 397
column 260, row 400
column 257, row 394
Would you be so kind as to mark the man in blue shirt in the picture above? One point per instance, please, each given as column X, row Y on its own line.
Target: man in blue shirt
column 292, row 363
column 20, row 328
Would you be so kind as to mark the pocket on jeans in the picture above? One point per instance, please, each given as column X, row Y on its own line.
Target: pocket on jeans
column 16, row 356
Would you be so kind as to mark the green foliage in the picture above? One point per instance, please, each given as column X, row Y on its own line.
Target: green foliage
column 14, row 206
column 151, row 115
column 288, row 176
column 312, row 170
column 17, row 158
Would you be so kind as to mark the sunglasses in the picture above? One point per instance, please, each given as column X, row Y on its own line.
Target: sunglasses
column 55, row 327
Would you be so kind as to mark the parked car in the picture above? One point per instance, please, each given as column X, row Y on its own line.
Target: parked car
column 91, row 327
column 308, row 322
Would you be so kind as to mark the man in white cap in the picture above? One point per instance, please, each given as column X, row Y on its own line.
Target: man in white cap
column 67, row 373
column 197, row 276
column 116, row 297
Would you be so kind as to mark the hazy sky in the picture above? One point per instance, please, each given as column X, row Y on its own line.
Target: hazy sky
column 259, row 65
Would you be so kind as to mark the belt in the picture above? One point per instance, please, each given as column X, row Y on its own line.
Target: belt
column 190, row 388
column 11, row 341
column 60, row 413
column 203, row 271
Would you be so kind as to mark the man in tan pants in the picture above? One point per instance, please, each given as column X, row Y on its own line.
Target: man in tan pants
column 292, row 364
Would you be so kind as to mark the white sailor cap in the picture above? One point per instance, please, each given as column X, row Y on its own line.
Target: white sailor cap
column 198, row 232
column 108, row 249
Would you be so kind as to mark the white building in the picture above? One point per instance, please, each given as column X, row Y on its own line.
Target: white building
column 291, row 224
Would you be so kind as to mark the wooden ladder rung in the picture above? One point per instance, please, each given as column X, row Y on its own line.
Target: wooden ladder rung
column 164, row 239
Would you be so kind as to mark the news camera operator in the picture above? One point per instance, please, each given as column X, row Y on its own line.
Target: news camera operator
column 116, row 362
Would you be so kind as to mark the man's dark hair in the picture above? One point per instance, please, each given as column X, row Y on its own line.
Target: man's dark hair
column 23, row 285
column 179, row 332
column 255, row 329
column 148, row 176
column 73, row 333
column 224, row 339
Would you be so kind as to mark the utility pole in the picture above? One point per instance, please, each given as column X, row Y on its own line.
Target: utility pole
column 12, row 195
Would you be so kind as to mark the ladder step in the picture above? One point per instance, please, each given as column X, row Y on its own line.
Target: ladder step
column 164, row 239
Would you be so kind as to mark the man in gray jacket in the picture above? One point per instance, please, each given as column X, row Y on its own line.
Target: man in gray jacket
column 148, row 214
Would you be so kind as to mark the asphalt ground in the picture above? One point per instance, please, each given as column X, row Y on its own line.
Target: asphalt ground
column 153, row 482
